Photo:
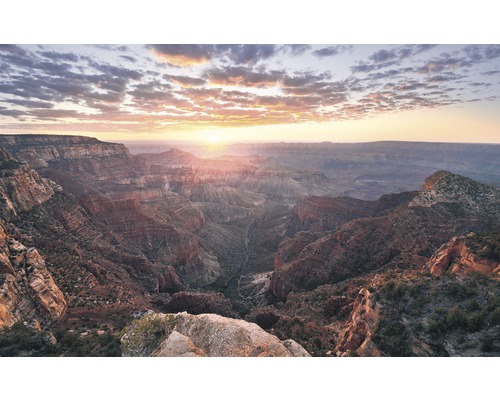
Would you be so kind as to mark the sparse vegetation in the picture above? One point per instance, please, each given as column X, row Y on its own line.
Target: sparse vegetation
column 146, row 333
column 22, row 340
column 487, row 245
column 393, row 338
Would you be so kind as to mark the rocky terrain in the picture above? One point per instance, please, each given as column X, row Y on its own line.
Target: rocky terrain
column 28, row 292
column 94, row 237
column 204, row 335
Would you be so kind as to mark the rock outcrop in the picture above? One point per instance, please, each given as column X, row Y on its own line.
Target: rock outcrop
column 356, row 337
column 21, row 188
column 457, row 257
column 204, row 335
column 27, row 289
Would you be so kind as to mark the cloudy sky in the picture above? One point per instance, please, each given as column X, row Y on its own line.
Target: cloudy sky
column 253, row 92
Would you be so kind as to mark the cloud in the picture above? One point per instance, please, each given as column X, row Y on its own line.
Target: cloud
column 492, row 72
column 129, row 58
column 183, row 54
column 332, row 50
column 248, row 53
column 110, row 47
column 296, row 50
column 465, row 58
column 12, row 49
column 385, row 58
column 31, row 103
column 243, row 76
column 447, row 77
column 185, row 81
column 114, row 71
column 7, row 112
column 191, row 54
column 55, row 56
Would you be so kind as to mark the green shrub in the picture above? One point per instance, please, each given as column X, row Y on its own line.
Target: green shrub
column 455, row 318
column 392, row 338
column 475, row 322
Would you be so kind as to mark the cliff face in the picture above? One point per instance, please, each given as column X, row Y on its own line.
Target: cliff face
column 40, row 150
column 27, row 289
column 204, row 335
column 21, row 188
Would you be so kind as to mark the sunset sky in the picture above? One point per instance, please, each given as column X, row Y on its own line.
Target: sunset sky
column 265, row 92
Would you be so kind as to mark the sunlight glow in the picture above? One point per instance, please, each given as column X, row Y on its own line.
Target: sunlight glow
column 213, row 139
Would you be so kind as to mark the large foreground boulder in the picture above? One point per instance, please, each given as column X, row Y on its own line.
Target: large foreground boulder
column 204, row 335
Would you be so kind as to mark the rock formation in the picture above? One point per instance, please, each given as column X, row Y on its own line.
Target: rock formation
column 204, row 335
column 457, row 257
column 27, row 289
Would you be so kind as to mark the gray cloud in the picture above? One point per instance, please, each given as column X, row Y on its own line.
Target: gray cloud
column 129, row 58
column 242, row 76
column 55, row 56
column 385, row 58
column 332, row 50
column 185, row 80
column 296, row 49
column 248, row 53
column 31, row 103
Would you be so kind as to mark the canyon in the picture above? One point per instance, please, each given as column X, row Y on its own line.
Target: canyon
column 310, row 249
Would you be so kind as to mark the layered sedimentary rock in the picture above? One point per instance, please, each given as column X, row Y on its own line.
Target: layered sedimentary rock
column 204, row 335
column 40, row 150
column 27, row 289
column 21, row 188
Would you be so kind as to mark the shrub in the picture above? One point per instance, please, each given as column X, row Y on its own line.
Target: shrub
column 455, row 318
column 475, row 322
column 436, row 327
column 392, row 338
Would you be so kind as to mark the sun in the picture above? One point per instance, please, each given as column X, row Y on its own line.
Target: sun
column 213, row 139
